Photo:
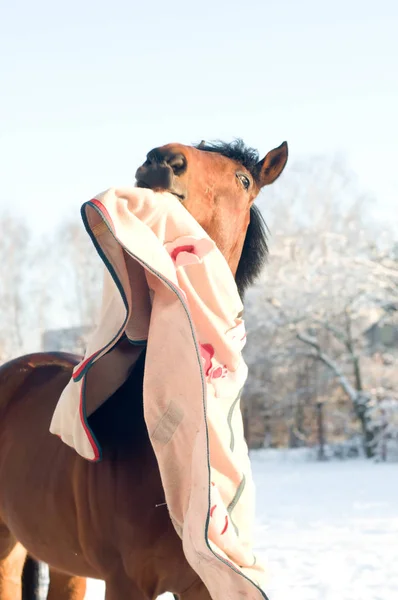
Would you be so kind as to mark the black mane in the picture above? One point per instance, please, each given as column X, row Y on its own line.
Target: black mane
column 255, row 249
column 236, row 150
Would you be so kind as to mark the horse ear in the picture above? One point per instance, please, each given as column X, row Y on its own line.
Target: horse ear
column 272, row 165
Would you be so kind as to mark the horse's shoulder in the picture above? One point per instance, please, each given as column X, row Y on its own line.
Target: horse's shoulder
column 18, row 371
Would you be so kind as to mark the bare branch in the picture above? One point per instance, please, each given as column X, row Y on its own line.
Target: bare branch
column 345, row 384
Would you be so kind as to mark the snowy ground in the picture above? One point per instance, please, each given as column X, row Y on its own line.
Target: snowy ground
column 329, row 531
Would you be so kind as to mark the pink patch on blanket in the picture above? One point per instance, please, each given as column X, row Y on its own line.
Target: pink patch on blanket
column 219, row 372
column 174, row 253
column 207, row 353
column 188, row 250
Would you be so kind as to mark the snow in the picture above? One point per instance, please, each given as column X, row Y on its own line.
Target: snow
column 328, row 531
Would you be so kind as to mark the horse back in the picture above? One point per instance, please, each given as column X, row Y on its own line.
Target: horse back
column 29, row 370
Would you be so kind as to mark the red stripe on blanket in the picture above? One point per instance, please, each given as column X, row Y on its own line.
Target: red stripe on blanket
column 213, row 508
column 105, row 213
column 86, row 429
column 225, row 526
column 76, row 373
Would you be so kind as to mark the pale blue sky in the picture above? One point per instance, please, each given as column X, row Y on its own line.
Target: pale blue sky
column 87, row 88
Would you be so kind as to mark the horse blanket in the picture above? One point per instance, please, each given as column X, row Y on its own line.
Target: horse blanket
column 167, row 286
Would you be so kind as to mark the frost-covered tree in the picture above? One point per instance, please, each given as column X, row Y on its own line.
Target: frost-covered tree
column 384, row 421
column 326, row 282
column 16, row 272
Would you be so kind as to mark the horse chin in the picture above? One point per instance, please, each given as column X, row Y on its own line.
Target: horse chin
column 142, row 184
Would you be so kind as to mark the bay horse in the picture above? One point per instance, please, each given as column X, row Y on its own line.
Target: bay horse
column 108, row 520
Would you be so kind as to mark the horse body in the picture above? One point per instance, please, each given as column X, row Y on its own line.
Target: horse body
column 92, row 512
column 108, row 520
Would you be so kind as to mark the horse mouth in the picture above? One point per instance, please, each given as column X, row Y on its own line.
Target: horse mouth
column 141, row 184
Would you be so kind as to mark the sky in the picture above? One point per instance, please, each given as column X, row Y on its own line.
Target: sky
column 88, row 88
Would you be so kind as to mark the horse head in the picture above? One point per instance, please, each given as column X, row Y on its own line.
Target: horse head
column 218, row 183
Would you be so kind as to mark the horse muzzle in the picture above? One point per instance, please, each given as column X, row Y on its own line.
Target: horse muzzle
column 161, row 173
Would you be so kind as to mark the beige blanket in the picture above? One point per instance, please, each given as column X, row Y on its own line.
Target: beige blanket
column 169, row 287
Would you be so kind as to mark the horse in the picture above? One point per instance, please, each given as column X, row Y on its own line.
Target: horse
column 108, row 520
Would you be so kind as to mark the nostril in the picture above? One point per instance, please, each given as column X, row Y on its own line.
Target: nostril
column 152, row 158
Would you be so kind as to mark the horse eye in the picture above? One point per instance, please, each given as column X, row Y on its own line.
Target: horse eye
column 245, row 181
column 178, row 165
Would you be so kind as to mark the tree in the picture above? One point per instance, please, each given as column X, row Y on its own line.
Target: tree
column 16, row 300
column 323, row 286
column 71, row 264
